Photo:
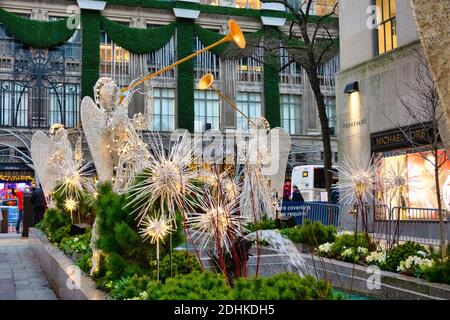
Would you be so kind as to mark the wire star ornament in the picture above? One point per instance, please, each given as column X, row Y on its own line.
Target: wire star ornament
column 166, row 180
column 357, row 179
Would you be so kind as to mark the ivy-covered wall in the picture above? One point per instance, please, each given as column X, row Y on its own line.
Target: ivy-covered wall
column 90, row 24
column 185, row 78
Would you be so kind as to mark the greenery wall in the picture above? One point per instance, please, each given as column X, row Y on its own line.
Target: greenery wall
column 185, row 78
column 90, row 23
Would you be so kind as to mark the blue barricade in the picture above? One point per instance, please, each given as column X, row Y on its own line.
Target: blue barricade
column 326, row 213
column 13, row 215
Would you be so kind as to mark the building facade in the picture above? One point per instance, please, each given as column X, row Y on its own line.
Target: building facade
column 46, row 71
column 380, row 52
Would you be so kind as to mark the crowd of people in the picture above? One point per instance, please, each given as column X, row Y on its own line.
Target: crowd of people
column 38, row 202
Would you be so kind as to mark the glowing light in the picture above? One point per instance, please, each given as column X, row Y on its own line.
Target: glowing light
column 70, row 204
column 156, row 228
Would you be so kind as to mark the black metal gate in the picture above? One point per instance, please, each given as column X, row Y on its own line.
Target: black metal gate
column 37, row 92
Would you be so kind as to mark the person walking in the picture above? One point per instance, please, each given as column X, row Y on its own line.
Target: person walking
column 17, row 193
column 38, row 202
column 297, row 195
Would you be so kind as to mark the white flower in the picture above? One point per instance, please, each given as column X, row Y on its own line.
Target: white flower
column 326, row 247
column 345, row 232
column 421, row 253
column 413, row 262
column 376, row 257
column 76, row 240
column 347, row 253
column 363, row 251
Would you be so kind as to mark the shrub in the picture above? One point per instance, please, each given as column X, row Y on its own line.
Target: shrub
column 129, row 287
column 283, row 286
column 311, row 233
column 439, row 271
column 346, row 241
column 193, row 286
column 76, row 244
column 59, row 234
column 182, row 263
column 85, row 261
column 264, row 224
column 53, row 220
column 401, row 253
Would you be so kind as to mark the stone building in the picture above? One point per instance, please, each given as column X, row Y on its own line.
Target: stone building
column 46, row 69
column 379, row 62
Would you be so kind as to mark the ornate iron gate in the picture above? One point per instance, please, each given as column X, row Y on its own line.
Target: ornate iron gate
column 37, row 93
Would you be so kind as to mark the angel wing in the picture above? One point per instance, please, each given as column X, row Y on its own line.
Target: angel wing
column 94, row 121
column 279, row 145
column 41, row 149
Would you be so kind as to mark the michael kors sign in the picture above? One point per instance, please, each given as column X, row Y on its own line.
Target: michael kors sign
column 397, row 138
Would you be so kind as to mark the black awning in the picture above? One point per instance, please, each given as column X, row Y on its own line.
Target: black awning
column 11, row 167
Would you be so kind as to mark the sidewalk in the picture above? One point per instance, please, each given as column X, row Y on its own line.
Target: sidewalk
column 21, row 277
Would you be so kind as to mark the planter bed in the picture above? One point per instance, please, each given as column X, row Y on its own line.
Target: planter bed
column 59, row 270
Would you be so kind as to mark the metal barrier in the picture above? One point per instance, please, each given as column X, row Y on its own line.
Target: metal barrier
column 327, row 214
column 392, row 225
column 420, row 225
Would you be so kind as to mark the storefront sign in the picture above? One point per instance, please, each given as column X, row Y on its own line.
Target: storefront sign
column 397, row 138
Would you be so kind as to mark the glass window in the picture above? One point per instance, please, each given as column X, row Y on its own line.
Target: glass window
column 387, row 25
column 290, row 113
column 163, row 110
column 324, row 7
column 250, row 104
column 251, row 4
column 207, row 110
column 330, row 105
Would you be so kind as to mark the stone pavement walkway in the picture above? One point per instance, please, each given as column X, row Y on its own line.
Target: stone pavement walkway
column 21, row 277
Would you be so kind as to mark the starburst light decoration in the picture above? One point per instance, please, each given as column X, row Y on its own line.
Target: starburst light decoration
column 357, row 179
column 166, row 180
column 219, row 225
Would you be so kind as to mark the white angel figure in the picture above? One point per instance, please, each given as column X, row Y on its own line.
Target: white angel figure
column 52, row 156
column 117, row 150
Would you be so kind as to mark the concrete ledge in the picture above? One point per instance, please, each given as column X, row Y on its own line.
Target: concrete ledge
column 67, row 280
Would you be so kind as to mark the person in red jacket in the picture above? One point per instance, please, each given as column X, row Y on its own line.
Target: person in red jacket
column 17, row 193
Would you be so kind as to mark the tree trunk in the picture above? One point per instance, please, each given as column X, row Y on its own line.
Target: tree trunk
column 442, row 230
column 327, row 152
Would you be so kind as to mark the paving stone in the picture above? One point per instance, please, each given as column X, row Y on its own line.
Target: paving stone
column 20, row 275
column 26, row 294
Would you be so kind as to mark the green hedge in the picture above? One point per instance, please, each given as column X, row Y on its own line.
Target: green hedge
column 143, row 3
column 90, row 22
column 185, row 78
column 136, row 40
column 271, row 80
column 37, row 34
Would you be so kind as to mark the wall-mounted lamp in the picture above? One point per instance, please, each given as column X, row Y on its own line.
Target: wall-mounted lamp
column 351, row 87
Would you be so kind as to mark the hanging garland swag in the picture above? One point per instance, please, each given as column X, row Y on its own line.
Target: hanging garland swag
column 37, row 34
column 137, row 40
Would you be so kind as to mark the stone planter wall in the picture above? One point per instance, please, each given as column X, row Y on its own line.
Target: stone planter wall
column 67, row 280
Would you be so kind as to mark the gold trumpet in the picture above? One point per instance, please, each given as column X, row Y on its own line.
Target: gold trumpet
column 234, row 34
column 207, row 82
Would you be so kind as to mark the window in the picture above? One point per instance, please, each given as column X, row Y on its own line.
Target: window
column 4, row 154
column 387, row 27
column 251, row 4
column 290, row 113
column 207, row 110
column 330, row 106
column 250, row 104
column 324, row 7
column 64, row 102
column 163, row 110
